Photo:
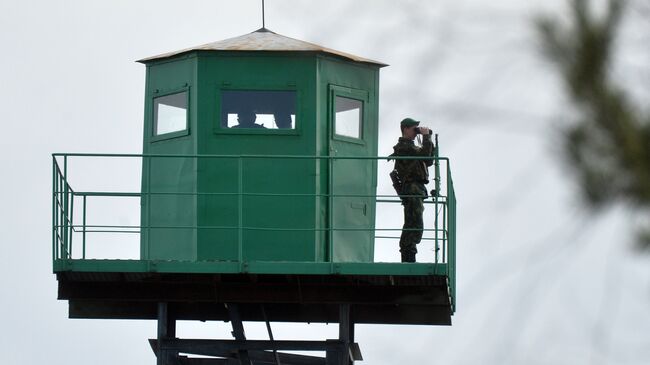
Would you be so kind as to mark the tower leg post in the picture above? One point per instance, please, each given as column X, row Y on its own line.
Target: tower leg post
column 166, row 330
column 344, row 355
column 238, row 331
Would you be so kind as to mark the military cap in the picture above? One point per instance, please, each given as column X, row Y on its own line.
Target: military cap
column 409, row 122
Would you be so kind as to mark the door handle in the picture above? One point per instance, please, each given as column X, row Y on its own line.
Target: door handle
column 360, row 206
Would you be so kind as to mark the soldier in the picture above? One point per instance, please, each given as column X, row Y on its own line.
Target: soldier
column 413, row 175
column 247, row 119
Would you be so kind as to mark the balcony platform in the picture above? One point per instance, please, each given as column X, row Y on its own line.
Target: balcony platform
column 381, row 293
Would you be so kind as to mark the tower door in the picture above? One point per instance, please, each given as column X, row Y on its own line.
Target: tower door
column 351, row 178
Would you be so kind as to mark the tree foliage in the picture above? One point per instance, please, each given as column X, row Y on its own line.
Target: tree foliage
column 608, row 145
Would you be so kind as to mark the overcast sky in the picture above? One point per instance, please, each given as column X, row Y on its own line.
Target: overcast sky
column 540, row 281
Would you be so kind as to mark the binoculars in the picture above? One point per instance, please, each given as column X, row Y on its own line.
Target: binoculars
column 417, row 131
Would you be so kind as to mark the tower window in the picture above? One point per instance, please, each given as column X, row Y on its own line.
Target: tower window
column 348, row 117
column 246, row 109
column 170, row 113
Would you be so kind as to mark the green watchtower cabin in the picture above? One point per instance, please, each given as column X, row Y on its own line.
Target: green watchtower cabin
column 267, row 95
column 258, row 202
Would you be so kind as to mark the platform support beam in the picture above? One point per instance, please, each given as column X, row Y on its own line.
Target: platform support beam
column 349, row 352
column 238, row 332
column 241, row 351
column 166, row 331
column 268, row 329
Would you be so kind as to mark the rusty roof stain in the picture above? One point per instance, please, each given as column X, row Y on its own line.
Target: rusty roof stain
column 264, row 40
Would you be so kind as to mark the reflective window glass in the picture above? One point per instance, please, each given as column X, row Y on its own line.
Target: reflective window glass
column 348, row 117
column 258, row 109
column 170, row 113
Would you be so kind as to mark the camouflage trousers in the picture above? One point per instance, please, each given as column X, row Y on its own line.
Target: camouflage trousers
column 413, row 223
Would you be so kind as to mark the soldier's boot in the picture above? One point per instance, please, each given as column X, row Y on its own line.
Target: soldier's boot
column 408, row 256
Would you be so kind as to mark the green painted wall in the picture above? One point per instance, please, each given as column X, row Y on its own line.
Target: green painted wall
column 259, row 176
column 165, row 175
column 350, row 177
column 302, row 220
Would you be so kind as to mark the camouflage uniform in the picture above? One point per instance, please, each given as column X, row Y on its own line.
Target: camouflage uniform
column 413, row 175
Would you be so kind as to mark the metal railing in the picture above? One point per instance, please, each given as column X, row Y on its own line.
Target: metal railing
column 68, row 224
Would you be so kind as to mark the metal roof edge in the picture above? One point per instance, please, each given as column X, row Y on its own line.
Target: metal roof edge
column 262, row 40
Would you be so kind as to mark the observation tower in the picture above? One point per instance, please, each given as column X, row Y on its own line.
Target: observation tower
column 257, row 202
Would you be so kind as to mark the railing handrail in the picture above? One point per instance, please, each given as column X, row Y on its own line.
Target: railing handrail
column 246, row 156
column 196, row 193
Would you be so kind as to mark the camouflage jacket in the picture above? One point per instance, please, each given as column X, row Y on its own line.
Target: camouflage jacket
column 413, row 170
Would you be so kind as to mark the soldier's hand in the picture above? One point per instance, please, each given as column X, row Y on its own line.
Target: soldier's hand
column 424, row 130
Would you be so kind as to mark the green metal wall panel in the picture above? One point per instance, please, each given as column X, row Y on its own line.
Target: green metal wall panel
column 356, row 180
column 162, row 215
column 273, row 227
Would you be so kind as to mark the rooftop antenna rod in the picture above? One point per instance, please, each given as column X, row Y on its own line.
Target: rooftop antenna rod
column 263, row 24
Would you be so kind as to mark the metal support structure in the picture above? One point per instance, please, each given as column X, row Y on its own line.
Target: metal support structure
column 268, row 328
column 238, row 332
column 346, row 333
column 314, row 298
column 348, row 351
column 166, row 331
column 257, row 350
column 240, row 351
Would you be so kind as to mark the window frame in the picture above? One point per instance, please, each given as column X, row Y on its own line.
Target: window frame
column 354, row 94
column 218, row 129
column 154, row 123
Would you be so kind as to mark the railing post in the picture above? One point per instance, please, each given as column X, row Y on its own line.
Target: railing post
column 330, row 225
column 436, row 196
column 83, row 234
column 452, row 238
column 59, row 214
column 54, row 255
column 70, row 222
column 65, row 206
column 445, row 235
column 149, row 160
column 240, row 202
